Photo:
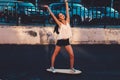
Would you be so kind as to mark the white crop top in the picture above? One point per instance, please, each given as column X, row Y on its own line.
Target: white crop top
column 64, row 31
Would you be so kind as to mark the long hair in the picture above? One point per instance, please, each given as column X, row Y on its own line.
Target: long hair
column 56, row 28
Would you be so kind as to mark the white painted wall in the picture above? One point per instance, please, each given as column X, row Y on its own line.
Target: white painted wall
column 45, row 35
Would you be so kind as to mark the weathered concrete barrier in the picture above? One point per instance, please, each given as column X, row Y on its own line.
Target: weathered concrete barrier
column 45, row 35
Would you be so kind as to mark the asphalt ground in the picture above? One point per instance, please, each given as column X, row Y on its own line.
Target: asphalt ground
column 29, row 62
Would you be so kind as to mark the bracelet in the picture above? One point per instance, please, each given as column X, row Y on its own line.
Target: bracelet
column 66, row 1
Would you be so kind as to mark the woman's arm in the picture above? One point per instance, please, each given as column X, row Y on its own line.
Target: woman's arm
column 67, row 11
column 51, row 13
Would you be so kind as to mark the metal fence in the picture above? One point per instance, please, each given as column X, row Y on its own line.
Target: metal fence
column 26, row 13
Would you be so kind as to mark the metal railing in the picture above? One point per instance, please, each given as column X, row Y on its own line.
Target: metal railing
column 79, row 15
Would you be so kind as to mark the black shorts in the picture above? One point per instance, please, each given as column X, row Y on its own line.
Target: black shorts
column 63, row 42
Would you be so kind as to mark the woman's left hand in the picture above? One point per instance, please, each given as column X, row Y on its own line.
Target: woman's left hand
column 45, row 6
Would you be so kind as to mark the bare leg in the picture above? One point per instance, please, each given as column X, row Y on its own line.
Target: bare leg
column 71, row 54
column 56, row 51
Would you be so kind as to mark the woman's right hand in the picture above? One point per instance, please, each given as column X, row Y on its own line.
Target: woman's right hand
column 45, row 6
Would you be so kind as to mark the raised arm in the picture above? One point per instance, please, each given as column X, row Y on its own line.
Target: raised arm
column 67, row 11
column 51, row 13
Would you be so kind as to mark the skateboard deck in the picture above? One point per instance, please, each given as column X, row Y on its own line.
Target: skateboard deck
column 65, row 71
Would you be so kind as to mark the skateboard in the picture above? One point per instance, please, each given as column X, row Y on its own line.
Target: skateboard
column 65, row 71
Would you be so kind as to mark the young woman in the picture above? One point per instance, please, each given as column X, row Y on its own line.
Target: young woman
column 64, row 33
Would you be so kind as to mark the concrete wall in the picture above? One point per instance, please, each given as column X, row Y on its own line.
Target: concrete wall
column 45, row 35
